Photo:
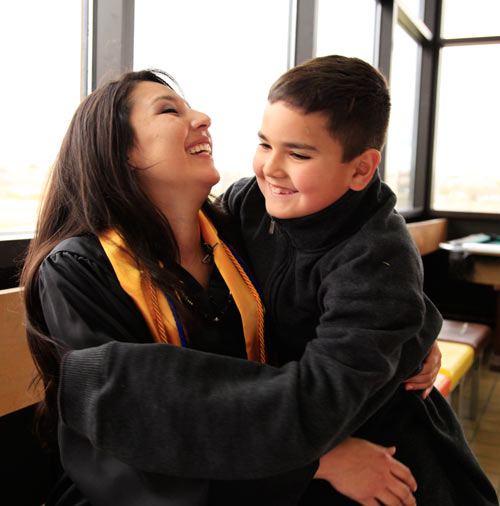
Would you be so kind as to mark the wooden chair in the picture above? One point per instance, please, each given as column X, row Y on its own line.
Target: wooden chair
column 457, row 359
column 466, row 340
column 27, row 470
column 476, row 336
column 16, row 365
column 428, row 234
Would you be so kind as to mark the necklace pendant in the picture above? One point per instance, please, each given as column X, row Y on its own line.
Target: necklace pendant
column 208, row 258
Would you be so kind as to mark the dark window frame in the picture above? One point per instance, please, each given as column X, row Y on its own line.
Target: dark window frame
column 107, row 51
column 461, row 223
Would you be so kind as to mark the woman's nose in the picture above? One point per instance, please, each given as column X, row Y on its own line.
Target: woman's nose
column 200, row 120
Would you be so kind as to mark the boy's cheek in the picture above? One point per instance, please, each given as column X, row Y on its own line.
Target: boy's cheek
column 257, row 165
column 262, row 184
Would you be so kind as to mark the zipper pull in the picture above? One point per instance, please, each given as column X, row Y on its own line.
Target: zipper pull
column 271, row 227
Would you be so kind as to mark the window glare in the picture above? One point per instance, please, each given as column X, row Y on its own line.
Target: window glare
column 225, row 59
column 346, row 28
column 466, row 165
column 400, row 150
column 39, row 91
column 415, row 7
column 463, row 18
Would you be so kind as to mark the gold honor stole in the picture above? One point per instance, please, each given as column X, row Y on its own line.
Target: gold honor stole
column 159, row 312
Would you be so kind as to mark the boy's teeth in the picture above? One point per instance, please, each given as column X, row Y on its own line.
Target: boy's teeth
column 281, row 191
column 199, row 148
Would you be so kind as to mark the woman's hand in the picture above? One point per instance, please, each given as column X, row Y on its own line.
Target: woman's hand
column 367, row 473
column 427, row 376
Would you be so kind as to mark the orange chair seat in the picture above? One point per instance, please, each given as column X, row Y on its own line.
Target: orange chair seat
column 443, row 384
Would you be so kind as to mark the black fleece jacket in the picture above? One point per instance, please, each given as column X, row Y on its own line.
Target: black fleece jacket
column 349, row 323
column 344, row 288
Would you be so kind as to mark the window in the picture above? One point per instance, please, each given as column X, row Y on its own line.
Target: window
column 466, row 164
column 400, row 151
column 414, row 7
column 463, row 18
column 39, row 91
column 225, row 59
column 346, row 28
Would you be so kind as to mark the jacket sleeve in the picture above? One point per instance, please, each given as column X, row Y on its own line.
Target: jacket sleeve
column 146, row 403
column 177, row 411
column 377, row 323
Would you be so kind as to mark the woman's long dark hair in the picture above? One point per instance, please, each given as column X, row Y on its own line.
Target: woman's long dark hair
column 91, row 188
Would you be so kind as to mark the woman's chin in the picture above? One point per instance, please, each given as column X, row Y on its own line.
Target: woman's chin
column 215, row 177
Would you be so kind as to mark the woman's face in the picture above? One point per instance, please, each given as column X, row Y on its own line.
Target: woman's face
column 172, row 149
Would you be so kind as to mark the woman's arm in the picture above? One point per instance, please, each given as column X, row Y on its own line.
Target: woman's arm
column 177, row 411
column 99, row 312
column 152, row 398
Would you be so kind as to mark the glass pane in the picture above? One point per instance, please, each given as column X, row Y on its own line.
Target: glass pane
column 463, row 18
column 401, row 141
column 466, row 162
column 414, row 7
column 346, row 28
column 225, row 58
column 39, row 92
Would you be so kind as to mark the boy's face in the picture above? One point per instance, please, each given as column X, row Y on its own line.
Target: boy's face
column 298, row 164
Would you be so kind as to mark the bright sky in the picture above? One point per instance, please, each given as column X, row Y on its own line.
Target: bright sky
column 225, row 69
column 40, row 87
column 225, row 58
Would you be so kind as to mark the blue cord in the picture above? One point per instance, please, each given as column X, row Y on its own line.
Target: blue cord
column 176, row 318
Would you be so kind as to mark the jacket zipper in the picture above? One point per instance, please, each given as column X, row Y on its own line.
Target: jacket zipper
column 274, row 281
column 271, row 226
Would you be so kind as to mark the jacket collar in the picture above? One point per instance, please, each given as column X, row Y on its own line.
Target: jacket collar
column 330, row 226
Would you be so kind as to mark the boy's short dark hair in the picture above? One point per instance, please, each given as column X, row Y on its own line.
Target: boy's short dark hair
column 352, row 93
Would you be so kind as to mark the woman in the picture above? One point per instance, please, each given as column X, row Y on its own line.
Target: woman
column 123, row 253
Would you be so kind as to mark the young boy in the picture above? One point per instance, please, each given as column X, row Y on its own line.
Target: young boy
column 336, row 264
column 342, row 283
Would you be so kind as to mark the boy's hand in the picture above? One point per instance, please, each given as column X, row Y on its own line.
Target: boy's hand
column 427, row 376
column 367, row 473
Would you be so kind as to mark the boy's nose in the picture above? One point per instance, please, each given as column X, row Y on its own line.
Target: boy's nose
column 273, row 167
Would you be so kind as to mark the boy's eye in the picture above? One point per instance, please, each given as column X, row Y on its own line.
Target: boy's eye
column 298, row 156
column 264, row 145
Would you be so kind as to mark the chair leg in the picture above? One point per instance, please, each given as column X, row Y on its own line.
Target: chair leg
column 457, row 397
column 474, row 394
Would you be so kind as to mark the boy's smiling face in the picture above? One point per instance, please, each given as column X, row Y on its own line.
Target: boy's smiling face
column 298, row 164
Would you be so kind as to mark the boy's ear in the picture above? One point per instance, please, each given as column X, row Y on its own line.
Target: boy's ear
column 364, row 167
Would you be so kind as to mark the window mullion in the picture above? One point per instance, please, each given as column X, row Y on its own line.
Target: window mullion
column 113, row 39
column 383, row 45
column 305, row 29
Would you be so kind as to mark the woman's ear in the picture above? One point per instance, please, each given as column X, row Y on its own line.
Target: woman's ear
column 364, row 167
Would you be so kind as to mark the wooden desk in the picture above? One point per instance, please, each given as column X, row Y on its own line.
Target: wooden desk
column 484, row 258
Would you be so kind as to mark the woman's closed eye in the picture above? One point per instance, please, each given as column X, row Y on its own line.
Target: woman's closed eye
column 169, row 110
